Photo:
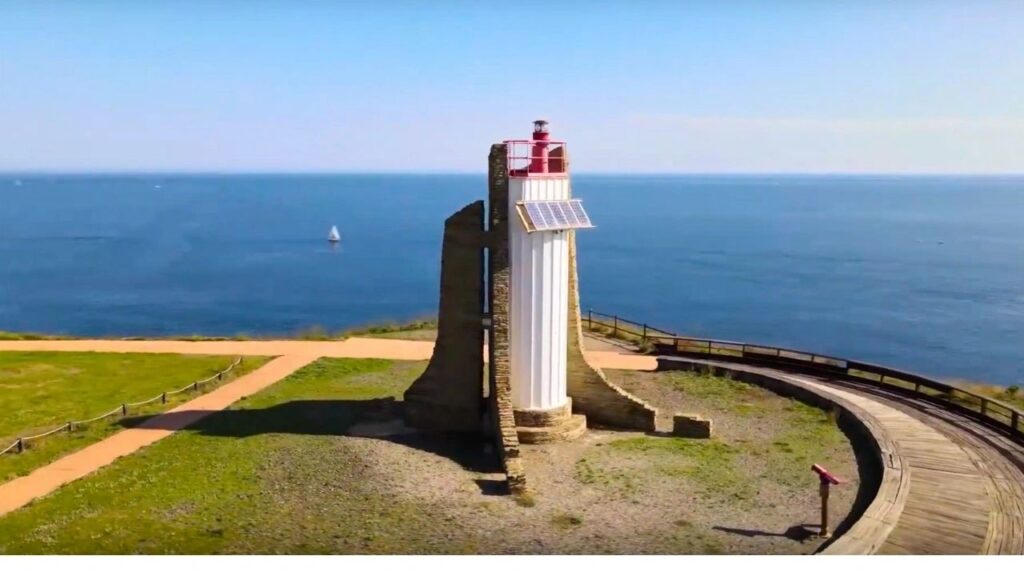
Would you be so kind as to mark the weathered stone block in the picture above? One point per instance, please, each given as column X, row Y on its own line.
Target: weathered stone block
column 448, row 396
column 691, row 426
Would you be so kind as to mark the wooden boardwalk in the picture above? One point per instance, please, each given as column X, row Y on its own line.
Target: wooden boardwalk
column 998, row 460
column 963, row 482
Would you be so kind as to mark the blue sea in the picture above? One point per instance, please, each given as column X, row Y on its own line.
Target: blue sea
column 921, row 273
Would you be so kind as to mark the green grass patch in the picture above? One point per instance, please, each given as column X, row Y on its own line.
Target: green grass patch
column 274, row 474
column 624, row 466
column 710, row 464
column 807, row 433
column 424, row 326
column 42, row 390
column 598, row 471
column 719, row 392
column 9, row 336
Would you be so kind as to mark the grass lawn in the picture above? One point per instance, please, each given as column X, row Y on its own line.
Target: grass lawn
column 282, row 472
column 241, row 481
column 43, row 390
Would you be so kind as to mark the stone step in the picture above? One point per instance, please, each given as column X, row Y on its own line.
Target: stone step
column 569, row 429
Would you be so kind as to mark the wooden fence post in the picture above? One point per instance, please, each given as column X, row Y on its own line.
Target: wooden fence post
column 615, row 326
column 195, row 386
column 124, row 409
column 71, row 427
column 644, row 337
column 590, row 319
column 163, row 398
column 21, row 445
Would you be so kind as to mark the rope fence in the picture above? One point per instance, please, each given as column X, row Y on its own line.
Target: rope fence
column 22, row 443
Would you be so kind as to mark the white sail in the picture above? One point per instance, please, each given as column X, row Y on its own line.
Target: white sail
column 334, row 236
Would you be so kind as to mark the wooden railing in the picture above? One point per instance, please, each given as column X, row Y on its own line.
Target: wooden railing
column 623, row 329
column 994, row 412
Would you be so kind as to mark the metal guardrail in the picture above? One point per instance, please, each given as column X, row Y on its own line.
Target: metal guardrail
column 22, row 443
column 994, row 412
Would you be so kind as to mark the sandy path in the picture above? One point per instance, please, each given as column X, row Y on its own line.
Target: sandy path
column 292, row 355
column 351, row 348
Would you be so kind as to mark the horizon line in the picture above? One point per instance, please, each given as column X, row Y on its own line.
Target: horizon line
column 178, row 172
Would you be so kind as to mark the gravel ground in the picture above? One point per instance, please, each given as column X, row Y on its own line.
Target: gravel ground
column 749, row 491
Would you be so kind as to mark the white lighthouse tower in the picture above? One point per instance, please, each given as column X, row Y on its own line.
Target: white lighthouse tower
column 540, row 194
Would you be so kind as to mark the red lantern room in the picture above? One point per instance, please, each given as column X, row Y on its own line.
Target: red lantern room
column 539, row 157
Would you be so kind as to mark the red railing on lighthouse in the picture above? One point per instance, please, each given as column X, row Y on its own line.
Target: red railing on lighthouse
column 538, row 157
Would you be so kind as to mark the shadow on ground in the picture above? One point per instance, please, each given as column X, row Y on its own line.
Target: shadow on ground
column 378, row 418
column 799, row 533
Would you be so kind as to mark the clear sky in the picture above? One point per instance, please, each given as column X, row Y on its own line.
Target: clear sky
column 385, row 85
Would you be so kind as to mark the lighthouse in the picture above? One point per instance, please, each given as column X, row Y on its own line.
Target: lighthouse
column 542, row 215
column 508, row 265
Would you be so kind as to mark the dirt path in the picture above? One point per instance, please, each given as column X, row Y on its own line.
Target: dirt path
column 389, row 349
column 292, row 355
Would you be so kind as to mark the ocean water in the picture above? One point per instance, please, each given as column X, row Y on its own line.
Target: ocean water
column 921, row 273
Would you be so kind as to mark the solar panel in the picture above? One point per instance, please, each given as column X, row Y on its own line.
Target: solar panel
column 581, row 215
column 550, row 215
column 560, row 215
column 535, row 217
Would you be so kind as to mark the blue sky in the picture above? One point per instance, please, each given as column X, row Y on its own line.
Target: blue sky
column 799, row 86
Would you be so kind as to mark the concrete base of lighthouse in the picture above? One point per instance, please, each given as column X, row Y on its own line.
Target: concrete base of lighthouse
column 549, row 426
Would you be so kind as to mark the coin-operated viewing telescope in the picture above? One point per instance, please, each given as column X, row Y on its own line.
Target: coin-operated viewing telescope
column 826, row 479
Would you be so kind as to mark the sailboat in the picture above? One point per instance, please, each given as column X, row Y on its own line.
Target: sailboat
column 333, row 237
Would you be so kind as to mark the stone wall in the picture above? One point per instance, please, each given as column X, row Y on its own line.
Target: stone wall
column 592, row 393
column 500, row 387
column 448, row 397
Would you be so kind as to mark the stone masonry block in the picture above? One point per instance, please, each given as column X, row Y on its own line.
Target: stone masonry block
column 691, row 426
